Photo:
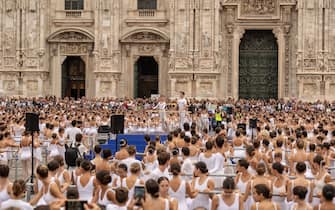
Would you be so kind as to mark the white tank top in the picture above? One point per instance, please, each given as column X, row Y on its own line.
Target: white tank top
column 4, row 194
column 223, row 206
column 85, row 192
column 202, row 200
column 131, row 190
column 277, row 191
column 242, row 186
column 180, row 195
column 104, row 201
column 48, row 197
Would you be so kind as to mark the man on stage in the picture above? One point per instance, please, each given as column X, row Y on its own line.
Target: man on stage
column 182, row 107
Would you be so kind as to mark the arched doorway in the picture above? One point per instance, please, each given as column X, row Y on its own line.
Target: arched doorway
column 258, row 65
column 73, row 77
column 146, row 77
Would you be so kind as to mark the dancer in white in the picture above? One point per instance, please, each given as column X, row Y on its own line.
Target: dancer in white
column 25, row 154
column 228, row 200
column 161, row 107
column 104, row 196
column 179, row 188
column 182, row 108
column 86, row 183
column 201, row 183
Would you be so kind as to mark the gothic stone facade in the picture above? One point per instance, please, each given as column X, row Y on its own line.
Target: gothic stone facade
column 195, row 43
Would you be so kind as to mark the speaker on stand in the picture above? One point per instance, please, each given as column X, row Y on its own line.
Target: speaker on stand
column 32, row 125
column 117, row 127
column 253, row 125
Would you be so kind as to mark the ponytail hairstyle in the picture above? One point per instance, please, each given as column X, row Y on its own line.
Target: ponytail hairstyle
column 175, row 169
column 104, row 177
column 152, row 187
column 19, row 187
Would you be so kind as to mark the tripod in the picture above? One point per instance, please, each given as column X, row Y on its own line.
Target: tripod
column 32, row 125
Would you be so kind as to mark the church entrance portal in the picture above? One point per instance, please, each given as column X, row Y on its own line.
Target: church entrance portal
column 73, row 77
column 258, row 65
column 146, row 77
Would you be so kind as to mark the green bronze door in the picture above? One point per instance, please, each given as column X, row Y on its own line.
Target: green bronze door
column 258, row 65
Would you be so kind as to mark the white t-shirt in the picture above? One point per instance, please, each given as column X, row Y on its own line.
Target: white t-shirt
column 11, row 203
column 157, row 173
column 71, row 133
column 182, row 104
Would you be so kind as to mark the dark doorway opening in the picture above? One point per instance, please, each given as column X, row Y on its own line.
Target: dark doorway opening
column 146, row 77
column 258, row 65
column 73, row 77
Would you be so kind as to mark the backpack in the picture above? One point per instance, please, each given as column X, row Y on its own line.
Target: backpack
column 71, row 155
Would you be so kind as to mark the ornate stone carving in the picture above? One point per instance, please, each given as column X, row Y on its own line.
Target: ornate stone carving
column 9, row 85
column 299, row 61
column 32, row 5
column 146, row 48
column 206, row 40
column 9, row 5
column 181, row 63
column 105, row 62
column 309, row 89
column 205, row 89
column 105, row 86
column 71, row 36
column 145, row 37
column 32, row 62
column 258, row 7
column 9, row 61
column 32, row 85
column 309, row 63
column 309, row 47
column 206, row 64
column 9, row 41
column 73, row 48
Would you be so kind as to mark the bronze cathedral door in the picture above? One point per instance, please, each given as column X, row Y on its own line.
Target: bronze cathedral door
column 258, row 65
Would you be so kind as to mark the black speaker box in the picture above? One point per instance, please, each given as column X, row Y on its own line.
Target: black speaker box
column 242, row 126
column 32, row 122
column 253, row 123
column 117, row 124
column 104, row 129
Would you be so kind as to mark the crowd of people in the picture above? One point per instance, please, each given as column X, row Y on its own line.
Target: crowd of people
column 235, row 155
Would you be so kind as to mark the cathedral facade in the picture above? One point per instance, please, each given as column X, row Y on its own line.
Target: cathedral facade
column 136, row 48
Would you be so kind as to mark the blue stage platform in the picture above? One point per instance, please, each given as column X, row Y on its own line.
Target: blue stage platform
column 132, row 139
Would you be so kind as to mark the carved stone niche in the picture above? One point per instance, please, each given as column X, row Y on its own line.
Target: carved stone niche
column 105, row 87
column 309, row 63
column 9, row 85
column 205, row 89
column 32, row 85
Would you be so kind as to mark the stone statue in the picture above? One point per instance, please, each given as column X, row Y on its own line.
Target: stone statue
column 32, row 5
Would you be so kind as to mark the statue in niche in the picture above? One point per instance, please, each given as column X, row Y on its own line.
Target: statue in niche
column 9, row 5
column 31, row 40
column 105, row 5
column 206, row 40
column 32, row 5
column 104, row 41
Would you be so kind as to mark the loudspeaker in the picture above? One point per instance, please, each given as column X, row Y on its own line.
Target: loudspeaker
column 242, row 126
column 32, row 122
column 253, row 123
column 104, row 129
column 117, row 124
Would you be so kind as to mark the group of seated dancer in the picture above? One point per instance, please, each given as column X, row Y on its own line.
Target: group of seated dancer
column 286, row 162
